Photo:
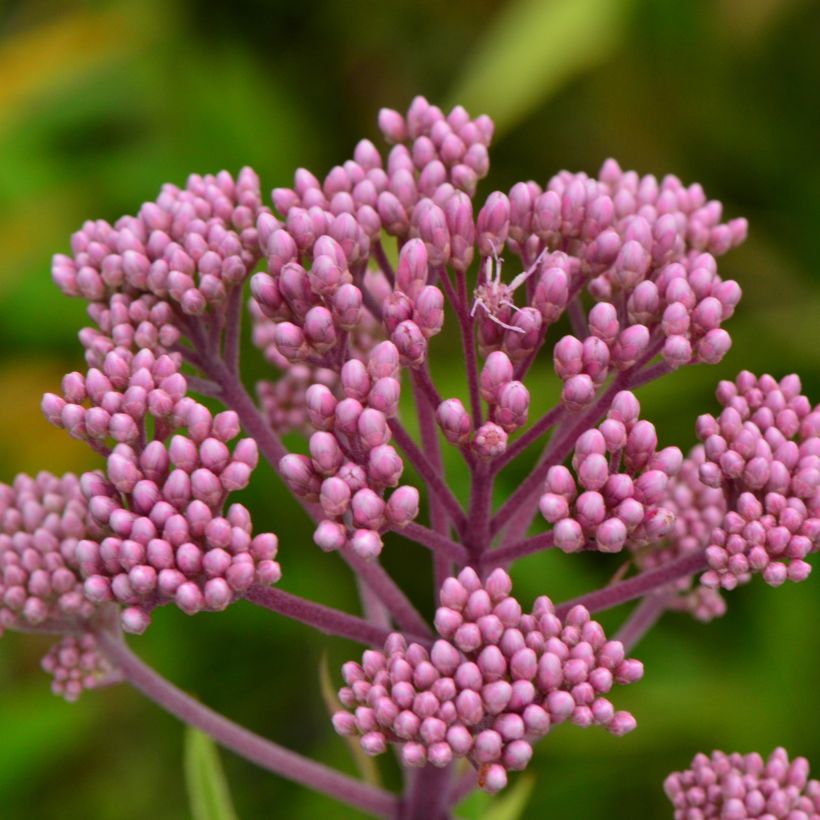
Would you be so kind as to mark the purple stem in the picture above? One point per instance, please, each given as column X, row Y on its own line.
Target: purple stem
column 635, row 587
column 233, row 330
column 429, row 473
column 466, row 784
column 325, row 619
column 427, row 794
column 264, row 753
column 536, row 543
column 477, row 537
column 425, row 394
column 466, row 322
column 423, row 384
column 546, row 422
column 390, row 594
column 642, row 619
column 577, row 318
column 236, row 397
column 434, row 541
column 374, row 610
column 383, row 262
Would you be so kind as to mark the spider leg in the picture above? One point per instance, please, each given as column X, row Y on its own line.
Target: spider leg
column 510, row 304
column 505, row 325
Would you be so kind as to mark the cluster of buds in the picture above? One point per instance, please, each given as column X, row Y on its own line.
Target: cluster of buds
column 613, row 506
column 737, row 787
column 75, row 664
column 508, row 402
column 191, row 246
column 165, row 538
column 496, row 681
column 184, row 253
column 619, row 225
column 698, row 510
column 114, row 400
column 351, row 462
column 764, row 451
column 41, row 521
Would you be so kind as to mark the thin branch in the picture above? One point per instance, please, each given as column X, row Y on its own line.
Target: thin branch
column 635, row 587
column 324, row 618
column 233, row 330
column 408, row 618
column 434, row 541
column 429, row 474
column 383, row 262
column 263, row 752
column 545, row 423
column 467, row 324
column 642, row 619
column 528, row 546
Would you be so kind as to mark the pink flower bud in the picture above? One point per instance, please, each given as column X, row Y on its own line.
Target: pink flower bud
column 330, row 535
column 490, row 441
column 366, row 543
column 578, row 392
column 454, row 421
column 384, row 466
column 403, row 506
column 513, row 401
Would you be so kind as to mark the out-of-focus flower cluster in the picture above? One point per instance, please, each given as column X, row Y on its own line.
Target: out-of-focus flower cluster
column 623, row 479
column 75, row 664
column 42, row 520
column 495, row 682
column 737, row 787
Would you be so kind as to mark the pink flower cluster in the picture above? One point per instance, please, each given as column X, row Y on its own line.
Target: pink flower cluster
column 698, row 510
column 614, row 506
column 115, row 400
column 495, row 682
column 190, row 247
column 158, row 507
column 737, row 787
column 41, row 521
column 764, row 450
column 166, row 538
column 351, row 462
column 508, row 402
column 75, row 664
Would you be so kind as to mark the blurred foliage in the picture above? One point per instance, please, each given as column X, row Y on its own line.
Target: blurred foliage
column 102, row 102
column 208, row 792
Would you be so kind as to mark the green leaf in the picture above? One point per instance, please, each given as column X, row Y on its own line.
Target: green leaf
column 366, row 766
column 532, row 48
column 207, row 788
column 512, row 802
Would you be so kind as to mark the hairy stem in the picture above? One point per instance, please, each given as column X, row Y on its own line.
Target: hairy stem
column 429, row 473
column 635, row 587
column 427, row 794
column 264, row 753
column 466, row 323
column 545, row 423
column 537, row 543
column 324, row 618
column 434, row 541
column 390, row 594
column 642, row 619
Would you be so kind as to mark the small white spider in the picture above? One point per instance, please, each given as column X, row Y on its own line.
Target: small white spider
column 492, row 295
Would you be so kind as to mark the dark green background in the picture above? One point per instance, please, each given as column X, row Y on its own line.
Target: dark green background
column 101, row 103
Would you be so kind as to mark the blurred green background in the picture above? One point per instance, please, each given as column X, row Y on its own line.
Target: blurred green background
column 102, row 102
